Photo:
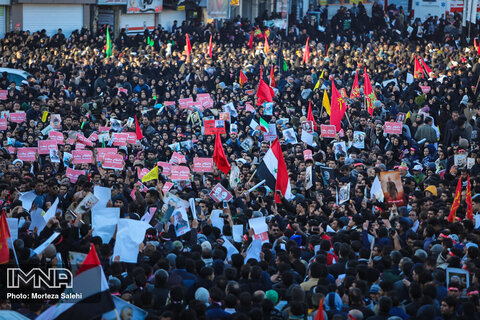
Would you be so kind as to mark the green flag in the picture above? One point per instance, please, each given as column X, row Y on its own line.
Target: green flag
column 285, row 66
column 150, row 42
column 108, row 46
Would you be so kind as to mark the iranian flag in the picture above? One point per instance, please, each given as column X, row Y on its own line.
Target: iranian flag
column 90, row 283
column 263, row 125
column 273, row 170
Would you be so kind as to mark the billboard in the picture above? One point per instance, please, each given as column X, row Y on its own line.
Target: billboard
column 218, row 9
column 145, row 6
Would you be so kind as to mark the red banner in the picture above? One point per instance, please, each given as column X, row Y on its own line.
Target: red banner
column 203, row 164
column 393, row 127
column 307, row 154
column 328, row 131
column 82, row 156
column 27, row 154
column 44, row 146
column 180, row 173
column 56, row 136
column 113, row 161
column 18, row 117
column 73, row 175
column 214, row 127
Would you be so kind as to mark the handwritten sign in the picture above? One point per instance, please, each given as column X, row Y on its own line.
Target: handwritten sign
column 113, row 161
column 44, row 146
column 202, row 164
column 328, row 131
column 393, row 127
column 180, row 173
column 82, row 156
column 27, row 154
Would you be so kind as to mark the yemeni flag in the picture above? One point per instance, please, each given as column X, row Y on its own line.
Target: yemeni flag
column 4, row 236
column 219, row 156
column 250, row 41
column 263, row 125
column 273, row 170
column 108, row 46
column 188, row 45
column 469, row 200
column 355, row 93
column 306, row 53
column 417, row 71
column 96, row 299
column 369, row 93
column 272, row 77
column 210, row 47
column 243, row 78
column 310, row 115
column 456, row 202
column 138, row 131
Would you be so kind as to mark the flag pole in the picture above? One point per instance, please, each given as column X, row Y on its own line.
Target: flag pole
column 116, row 314
column 251, row 177
column 14, row 252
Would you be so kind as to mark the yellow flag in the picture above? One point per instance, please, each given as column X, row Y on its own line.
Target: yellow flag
column 408, row 115
column 317, row 85
column 44, row 116
column 326, row 102
column 152, row 175
column 321, row 76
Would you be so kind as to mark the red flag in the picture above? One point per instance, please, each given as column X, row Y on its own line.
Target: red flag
column 478, row 49
column 282, row 174
column 243, row 78
column 210, row 47
column 427, row 68
column 4, row 236
column 189, row 46
column 355, row 93
column 138, row 131
column 266, row 47
column 250, row 41
column 219, row 156
column 369, row 93
column 272, row 78
column 417, row 71
column 469, row 200
column 265, row 93
column 456, row 202
column 320, row 315
column 337, row 108
column 310, row 115
column 306, row 53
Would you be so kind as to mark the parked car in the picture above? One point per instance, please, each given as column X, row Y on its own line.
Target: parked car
column 16, row 75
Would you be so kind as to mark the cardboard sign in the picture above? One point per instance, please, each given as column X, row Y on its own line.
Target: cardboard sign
column 82, row 156
column 120, row 139
column 18, row 117
column 73, row 175
column 202, row 164
column 82, row 139
column 180, row 173
column 101, row 152
column 132, row 137
column 219, row 194
column 214, row 127
column 27, row 154
column 328, row 131
column 167, row 167
column 401, row 117
column 177, row 158
column 3, row 124
column 393, row 127
column 44, row 146
column 3, row 94
column 307, row 155
column 113, row 161
column 56, row 136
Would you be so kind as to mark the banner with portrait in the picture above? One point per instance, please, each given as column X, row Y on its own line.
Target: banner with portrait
column 392, row 188
column 218, row 9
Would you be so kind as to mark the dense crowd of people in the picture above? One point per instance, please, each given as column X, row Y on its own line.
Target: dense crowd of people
column 358, row 256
